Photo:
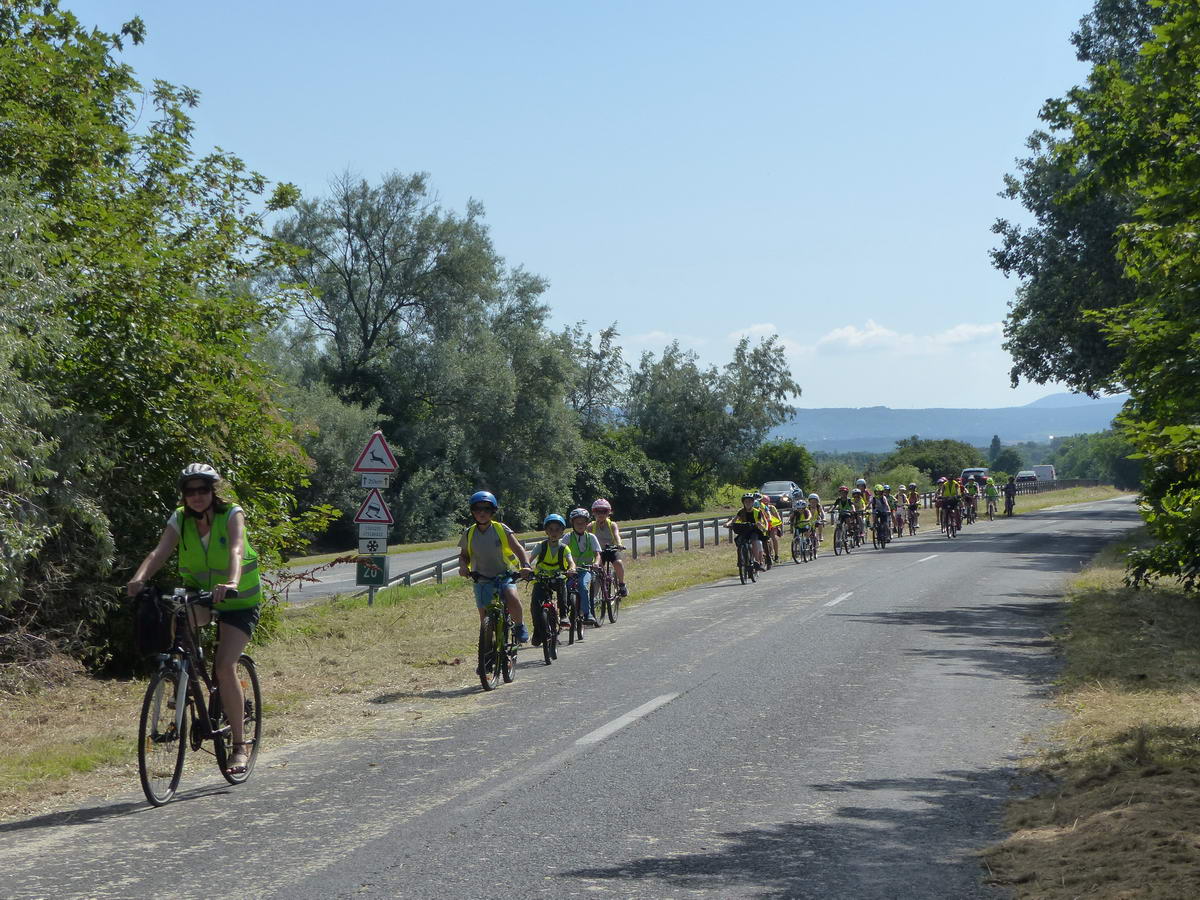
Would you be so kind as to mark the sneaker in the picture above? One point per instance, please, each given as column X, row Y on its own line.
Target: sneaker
column 622, row 591
column 521, row 633
column 591, row 620
column 564, row 622
column 537, row 640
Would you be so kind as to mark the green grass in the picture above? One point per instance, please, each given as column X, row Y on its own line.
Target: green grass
column 54, row 763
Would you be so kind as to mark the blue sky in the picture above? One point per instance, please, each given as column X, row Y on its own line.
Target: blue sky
column 690, row 170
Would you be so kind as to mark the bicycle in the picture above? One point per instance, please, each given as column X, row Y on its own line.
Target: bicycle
column 603, row 586
column 1009, row 503
column 546, row 613
column 577, row 620
column 497, row 646
column 912, row 519
column 950, row 513
column 879, row 532
column 743, row 538
column 182, row 705
column 970, row 512
column 991, row 509
column 841, row 534
column 804, row 544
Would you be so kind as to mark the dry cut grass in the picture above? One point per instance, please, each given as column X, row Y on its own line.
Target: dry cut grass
column 333, row 669
column 1122, row 818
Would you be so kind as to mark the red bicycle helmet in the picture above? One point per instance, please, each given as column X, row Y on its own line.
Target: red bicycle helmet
column 601, row 504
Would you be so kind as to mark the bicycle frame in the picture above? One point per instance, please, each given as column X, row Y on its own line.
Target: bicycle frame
column 186, row 656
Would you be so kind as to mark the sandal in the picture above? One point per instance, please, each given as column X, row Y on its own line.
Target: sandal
column 240, row 761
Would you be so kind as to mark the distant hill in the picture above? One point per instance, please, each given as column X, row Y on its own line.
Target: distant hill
column 1058, row 401
column 877, row 428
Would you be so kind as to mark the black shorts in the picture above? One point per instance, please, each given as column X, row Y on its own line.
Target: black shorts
column 611, row 554
column 241, row 619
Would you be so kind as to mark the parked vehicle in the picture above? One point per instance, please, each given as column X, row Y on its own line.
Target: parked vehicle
column 972, row 472
column 1026, row 475
column 1045, row 473
column 776, row 488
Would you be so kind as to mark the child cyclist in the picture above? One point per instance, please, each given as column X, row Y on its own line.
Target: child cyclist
column 491, row 550
column 585, row 550
column 897, row 509
column 818, row 511
column 609, row 535
column 775, row 521
column 550, row 557
column 750, row 522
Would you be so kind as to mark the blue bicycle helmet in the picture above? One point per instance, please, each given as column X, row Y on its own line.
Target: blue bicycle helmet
column 484, row 497
column 554, row 517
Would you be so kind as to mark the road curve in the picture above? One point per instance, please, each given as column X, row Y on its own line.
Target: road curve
column 846, row 728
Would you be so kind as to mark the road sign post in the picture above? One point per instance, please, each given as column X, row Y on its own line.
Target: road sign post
column 375, row 464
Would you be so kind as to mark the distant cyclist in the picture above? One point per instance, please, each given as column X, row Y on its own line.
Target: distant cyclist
column 609, row 535
column 1010, row 495
column 585, row 548
column 490, row 549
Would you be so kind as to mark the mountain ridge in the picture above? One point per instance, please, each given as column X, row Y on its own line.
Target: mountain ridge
column 877, row 428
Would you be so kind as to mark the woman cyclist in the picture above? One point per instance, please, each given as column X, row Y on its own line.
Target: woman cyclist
column 214, row 555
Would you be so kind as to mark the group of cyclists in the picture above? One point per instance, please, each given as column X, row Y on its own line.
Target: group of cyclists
column 880, row 512
column 491, row 555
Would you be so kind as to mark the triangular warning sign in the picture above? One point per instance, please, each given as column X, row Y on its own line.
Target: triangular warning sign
column 374, row 510
column 376, row 456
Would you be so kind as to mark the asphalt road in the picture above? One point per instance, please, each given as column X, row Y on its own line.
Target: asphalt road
column 842, row 729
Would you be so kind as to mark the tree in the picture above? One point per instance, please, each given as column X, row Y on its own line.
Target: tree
column 1008, row 461
column 934, row 457
column 704, row 422
column 379, row 265
column 1067, row 261
column 994, row 449
column 599, row 389
column 1134, row 129
column 143, row 349
column 782, row 460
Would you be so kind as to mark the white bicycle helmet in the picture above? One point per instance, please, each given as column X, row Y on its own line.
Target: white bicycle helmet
column 578, row 512
column 198, row 470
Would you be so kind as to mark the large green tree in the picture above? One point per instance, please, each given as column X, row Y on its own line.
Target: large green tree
column 933, row 457
column 1135, row 129
column 1067, row 259
column 143, row 349
column 704, row 422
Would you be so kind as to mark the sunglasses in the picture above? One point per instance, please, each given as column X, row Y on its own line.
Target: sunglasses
column 197, row 491
column 482, row 508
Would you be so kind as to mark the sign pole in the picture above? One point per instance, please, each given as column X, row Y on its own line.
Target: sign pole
column 375, row 464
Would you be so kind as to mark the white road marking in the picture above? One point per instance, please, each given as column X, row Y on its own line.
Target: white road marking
column 836, row 600
column 927, row 558
column 621, row 721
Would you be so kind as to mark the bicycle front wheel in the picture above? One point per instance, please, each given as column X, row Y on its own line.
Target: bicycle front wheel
column 489, row 671
column 798, row 552
column 247, row 676
column 162, row 738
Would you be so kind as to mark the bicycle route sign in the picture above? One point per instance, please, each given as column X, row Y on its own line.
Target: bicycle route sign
column 371, row 571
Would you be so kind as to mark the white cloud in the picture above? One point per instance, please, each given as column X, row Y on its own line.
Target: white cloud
column 875, row 337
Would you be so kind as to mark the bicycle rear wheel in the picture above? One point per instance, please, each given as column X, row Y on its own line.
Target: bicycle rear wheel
column 839, row 539
column 247, row 676
column 489, row 669
column 161, row 741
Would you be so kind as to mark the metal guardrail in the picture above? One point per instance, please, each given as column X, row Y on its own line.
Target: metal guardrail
column 675, row 533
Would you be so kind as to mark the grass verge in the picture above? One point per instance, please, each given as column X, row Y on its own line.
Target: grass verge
column 1122, row 815
column 333, row 668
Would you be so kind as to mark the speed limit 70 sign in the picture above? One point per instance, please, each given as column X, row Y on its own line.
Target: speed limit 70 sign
column 371, row 546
